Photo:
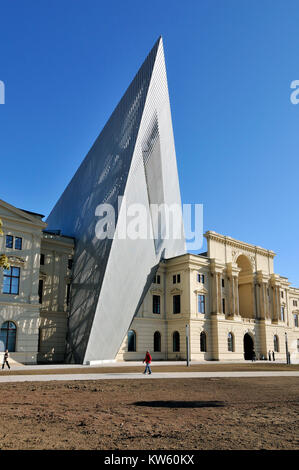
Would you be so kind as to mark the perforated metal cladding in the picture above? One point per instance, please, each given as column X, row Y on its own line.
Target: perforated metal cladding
column 127, row 159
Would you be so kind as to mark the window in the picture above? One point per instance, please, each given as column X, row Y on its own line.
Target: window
column 281, row 293
column 223, row 306
column 203, row 342
column 11, row 280
column 176, row 304
column 230, row 342
column 18, row 243
column 201, row 278
column 201, row 304
column 68, row 291
column 295, row 303
column 157, row 279
column 282, row 314
column 176, row 341
column 131, row 341
column 156, row 304
column 296, row 320
column 8, row 336
column 157, row 341
column 70, row 263
column 176, row 278
column 276, row 343
column 42, row 259
column 222, row 282
column 40, row 290
column 9, row 241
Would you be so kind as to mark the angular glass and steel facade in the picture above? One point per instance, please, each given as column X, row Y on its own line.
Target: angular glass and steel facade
column 134, row 159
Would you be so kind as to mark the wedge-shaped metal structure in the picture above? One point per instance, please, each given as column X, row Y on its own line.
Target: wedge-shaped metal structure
column 133, row 158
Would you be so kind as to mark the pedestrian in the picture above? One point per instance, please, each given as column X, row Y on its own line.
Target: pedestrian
column 269, row 354
column 147, row 361
column 5, row 360
column 253, row 356
column 273, row 356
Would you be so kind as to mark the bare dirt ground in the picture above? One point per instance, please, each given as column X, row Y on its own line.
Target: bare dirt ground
column 230, row 413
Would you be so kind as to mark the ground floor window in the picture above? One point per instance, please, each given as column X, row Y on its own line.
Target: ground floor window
column 8, row 336
column 176, row 341
column 131, row 341
column 157, row 341
column 230, row 342
column 203, row 342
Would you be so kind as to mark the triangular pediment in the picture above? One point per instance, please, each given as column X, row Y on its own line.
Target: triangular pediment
column 12, row 213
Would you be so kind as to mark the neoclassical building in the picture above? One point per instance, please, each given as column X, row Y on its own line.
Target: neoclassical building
column 231, row 299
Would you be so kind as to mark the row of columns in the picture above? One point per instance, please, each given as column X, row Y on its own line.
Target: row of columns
column 265, row 293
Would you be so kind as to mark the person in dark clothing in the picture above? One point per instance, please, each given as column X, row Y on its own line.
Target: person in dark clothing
column 273, row 356
column 253, row 356
column 147, row 361
column 269, row 355
column 5, row 360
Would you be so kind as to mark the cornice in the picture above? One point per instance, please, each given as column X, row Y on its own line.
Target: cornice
column 225, row 240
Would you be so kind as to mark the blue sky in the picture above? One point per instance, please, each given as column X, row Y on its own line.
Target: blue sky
column 66, row 64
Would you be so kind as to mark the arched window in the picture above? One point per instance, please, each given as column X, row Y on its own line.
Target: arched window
column 157, row 341
column 230, row 342
column 131, row 341
column 176, row 341
column 203, row 342
column 8, row 336
column 276, row 343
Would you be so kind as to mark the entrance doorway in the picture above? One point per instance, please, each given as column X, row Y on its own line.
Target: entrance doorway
column 248, row 347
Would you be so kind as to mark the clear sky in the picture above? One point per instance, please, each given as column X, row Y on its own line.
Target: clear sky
column 230, row 63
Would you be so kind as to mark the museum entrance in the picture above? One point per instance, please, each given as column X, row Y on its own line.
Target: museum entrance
column 248, row 347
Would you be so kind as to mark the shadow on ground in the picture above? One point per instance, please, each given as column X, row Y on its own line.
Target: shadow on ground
column 179, row 404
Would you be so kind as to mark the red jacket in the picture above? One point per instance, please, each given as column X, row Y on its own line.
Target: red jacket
column 148, row 358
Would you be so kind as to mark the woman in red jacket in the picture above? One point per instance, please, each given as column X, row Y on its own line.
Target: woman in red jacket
column 147, row 361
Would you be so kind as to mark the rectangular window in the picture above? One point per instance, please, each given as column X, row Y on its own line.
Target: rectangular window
column 11, row 280
column 223, row 306
column 203, row 278
column 18, row 243
column 281, row 293
column 201, row 304
column 68, row 291
column 222, row 282
column 296, row 321
column 282, row 314
column 176, row 304
column 176, row 278
column 156, row 304
column 42, row 259
column 40, row 290
column 70, row 263
column 157, row 279
column 295, row 303
column 9, row 241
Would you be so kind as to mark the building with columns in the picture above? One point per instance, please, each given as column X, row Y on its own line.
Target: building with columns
column 231, row 299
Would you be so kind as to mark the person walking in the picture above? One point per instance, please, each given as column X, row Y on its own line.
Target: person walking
column 147, row 361
column 5, row 360
column 269, row 354
column 273, row 356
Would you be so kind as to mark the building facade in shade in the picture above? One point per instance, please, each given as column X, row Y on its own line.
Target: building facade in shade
column 132, row 162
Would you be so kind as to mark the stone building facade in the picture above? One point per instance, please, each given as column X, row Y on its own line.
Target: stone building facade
column 33, row 295
column 230, row 299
